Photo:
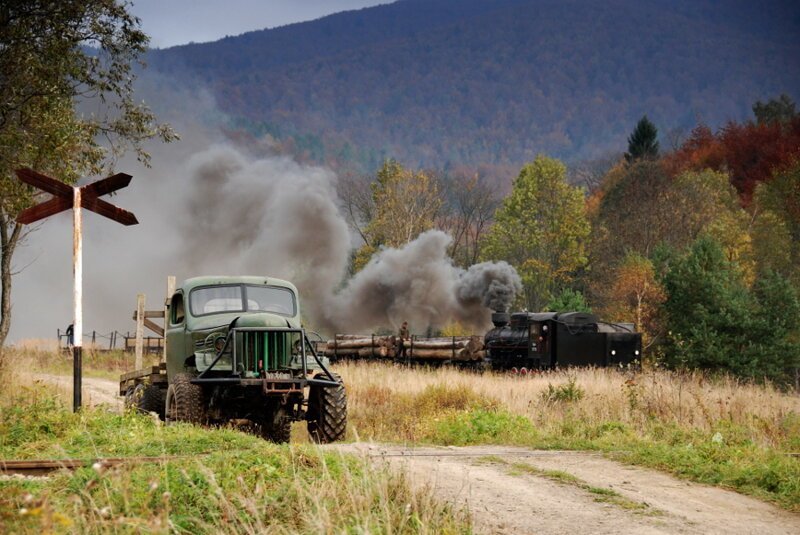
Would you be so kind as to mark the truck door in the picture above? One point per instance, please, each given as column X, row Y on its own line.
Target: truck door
column 176, row 334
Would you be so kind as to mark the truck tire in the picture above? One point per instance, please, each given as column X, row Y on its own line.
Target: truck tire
column 279, row 430
column 184, row 401
column 327, row 411
column 150, row 398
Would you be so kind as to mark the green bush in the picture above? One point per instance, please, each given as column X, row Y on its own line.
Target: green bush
column 563, row 393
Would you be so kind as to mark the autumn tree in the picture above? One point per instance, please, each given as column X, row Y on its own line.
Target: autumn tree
column 642, row 208
column 643, row 141
column 776, row 227
column 750, row 153
column 391, row 209
column 470, row 203
column 779, row 110
column 53, row 56
column 406, row 205
column 541, row 229
column 635, row 295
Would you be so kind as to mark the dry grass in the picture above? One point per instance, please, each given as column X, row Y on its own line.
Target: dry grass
column 43, row 356
column 688, row 400
column 718, row 431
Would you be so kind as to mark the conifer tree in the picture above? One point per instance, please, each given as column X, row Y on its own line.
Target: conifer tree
column 643, row 141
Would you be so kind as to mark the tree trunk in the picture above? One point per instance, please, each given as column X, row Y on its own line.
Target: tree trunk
column 8, row 242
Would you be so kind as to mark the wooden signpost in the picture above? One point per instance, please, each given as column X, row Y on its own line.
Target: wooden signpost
column 65, row 197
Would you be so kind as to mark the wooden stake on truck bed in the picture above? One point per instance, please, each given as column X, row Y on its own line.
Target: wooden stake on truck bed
column 170, row 291
column 139, row 330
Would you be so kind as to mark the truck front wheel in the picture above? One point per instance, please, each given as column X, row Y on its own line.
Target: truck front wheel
column 185, row 401
column 327, row 411
column 279, row 429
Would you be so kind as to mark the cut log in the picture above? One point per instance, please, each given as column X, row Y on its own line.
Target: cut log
column 381, row 352
column 426, row 344
column 442, row 354
column 378, row 341
column 354, row 343
column 378, row 352
column 353, row 336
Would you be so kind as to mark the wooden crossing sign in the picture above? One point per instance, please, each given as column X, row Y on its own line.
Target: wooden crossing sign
column 64, row 198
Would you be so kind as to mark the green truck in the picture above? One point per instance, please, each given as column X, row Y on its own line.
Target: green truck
column 237, row 352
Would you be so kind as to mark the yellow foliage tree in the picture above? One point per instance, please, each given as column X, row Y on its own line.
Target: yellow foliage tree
column 635, row 296
column 541, row 229
column 406, row 204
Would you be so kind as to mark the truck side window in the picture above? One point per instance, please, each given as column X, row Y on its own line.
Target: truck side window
column 177, row 309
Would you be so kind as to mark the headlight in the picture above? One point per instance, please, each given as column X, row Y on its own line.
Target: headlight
column 613, row 352
column 219, row 343
column 636, row 352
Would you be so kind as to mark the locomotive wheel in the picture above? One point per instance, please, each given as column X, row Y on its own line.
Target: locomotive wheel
column 184, row 401
column 327, row 411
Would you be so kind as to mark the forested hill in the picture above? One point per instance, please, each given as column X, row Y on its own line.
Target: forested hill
column 438, row 82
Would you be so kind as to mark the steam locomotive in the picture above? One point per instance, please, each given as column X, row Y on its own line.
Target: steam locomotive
column 526, row 340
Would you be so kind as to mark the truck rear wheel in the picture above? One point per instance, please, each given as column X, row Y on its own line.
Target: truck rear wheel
column 184, row 401
column 147, row 398
column 327, row 411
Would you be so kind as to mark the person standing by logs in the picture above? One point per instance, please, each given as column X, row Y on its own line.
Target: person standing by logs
column 404, row 335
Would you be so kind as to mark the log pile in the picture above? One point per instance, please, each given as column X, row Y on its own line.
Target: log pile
column 458, row 348
column 461, row 348
column 366, row 346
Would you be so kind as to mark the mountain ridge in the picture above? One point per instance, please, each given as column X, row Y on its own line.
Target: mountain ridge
column 438, row 83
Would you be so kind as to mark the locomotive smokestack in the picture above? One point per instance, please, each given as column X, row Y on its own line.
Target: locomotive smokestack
column 500, row 319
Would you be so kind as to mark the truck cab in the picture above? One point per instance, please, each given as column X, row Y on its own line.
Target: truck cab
column 203, row 310
column 237, row 351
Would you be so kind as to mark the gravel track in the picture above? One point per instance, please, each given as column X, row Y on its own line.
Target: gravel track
column 508, row 490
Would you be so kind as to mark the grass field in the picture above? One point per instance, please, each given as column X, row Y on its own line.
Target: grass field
column 220, row 481
column 713, row 430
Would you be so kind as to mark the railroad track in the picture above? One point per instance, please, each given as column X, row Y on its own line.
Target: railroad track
column 42, row 467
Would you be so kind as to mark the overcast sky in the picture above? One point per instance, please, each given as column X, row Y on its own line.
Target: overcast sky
column 175, row 22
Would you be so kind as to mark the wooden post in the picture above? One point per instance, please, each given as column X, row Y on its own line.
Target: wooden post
column 77, row 294
column 170, row 291
column 64, row 198
column 139, row 330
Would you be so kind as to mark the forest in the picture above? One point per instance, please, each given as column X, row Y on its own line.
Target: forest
column 474, row 82
column 698, row 246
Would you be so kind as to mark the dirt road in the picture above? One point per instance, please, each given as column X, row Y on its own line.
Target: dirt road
column 513, row 490
column 94, row 392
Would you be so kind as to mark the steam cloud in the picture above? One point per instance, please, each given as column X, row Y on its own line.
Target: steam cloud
column 208, row 208
column 419, row 283
column 268, row 216
column 275, row 217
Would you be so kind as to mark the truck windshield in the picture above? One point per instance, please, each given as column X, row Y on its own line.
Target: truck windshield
column 240, row 298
